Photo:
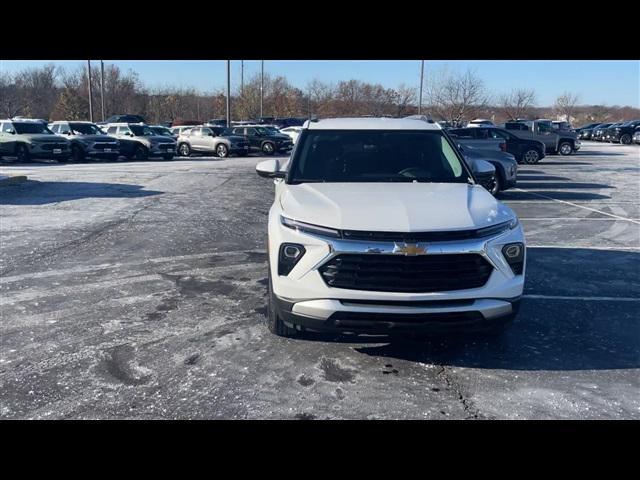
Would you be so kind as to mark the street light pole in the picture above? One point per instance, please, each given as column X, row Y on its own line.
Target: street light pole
column 421, row 83
column 261, row 88
column 228, row 93
column 242, row 78
column 89, row 81
column 102, row 87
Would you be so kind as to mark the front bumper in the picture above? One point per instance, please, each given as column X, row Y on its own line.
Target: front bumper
column 303, row 298
column 330, row 315
column 162, row 149
column 48, row 151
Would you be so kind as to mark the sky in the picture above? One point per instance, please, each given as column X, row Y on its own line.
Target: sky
column 604, row 82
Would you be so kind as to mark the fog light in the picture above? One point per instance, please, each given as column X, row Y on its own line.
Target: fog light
column 514, row 255
column 288, row 256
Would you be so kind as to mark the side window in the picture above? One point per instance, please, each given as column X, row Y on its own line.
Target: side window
column 54, row 128
column 238, row 131
column 493, row 133
column 122, row 129
column 64, row 128
column 6, row 127
column 251, row 131
column 544, row 128
column 206, row 132
column 481, row 133
column 112, row 130
column 196, row 132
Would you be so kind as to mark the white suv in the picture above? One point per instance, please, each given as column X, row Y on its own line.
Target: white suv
column 378, row 226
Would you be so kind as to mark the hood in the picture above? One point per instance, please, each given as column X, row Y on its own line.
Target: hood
column 44, row 137
column 95, row 138
column 280, row 136
column 394, row 207
column 471, row 154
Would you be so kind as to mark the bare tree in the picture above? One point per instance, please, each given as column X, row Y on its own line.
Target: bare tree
column 518, row 102
column 565, row 105
column 456, row 96
column 12, row 100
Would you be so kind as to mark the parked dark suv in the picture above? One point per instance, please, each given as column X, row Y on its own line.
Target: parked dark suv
column 263, row 140
column 624, row 133
column 123, row 119
column 525, row 150
column 598, row 132
column 586, row 131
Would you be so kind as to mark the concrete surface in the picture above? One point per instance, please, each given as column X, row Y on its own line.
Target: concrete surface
column 137, row 290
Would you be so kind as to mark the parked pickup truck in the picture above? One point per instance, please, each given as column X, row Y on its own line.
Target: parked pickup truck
column 555, row 141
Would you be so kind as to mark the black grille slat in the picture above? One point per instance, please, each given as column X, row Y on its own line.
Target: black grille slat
column 411, row 274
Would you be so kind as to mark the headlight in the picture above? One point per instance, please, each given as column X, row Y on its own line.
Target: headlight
column 309, row 228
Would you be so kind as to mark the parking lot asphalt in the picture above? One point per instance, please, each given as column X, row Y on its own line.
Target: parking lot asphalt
column 138, row 290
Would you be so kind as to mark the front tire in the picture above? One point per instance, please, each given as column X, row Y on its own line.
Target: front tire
column 268, row 148
column 625, row 139
column 77, row 154
column 274, row 322
column 140, row 153
column 22, row 153
column 565, row 148
column 184, row 150
column 497, row 186
column 531, row 156
column 221, row 150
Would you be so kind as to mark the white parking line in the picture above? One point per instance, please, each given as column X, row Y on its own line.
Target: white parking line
column 579, row 206
column 576, row 218
column 587, row 247
column 586, row 299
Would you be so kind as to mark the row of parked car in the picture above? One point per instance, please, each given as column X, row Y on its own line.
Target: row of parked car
column 27, row 139
column 622, row 132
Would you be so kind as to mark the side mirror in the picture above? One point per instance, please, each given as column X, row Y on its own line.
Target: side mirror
column 270, row 169
column 482, row 168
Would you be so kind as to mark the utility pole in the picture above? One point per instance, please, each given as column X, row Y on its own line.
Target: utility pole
column 102, row 87
column 261, row 88
column 242, row 78
column 89, row 80
column 421, row 83
column 228, row 93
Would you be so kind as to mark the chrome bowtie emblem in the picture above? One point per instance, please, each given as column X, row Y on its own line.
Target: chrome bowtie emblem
column 409, row 249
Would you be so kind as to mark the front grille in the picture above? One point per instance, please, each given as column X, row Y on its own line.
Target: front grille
column 166, row 146
column 102, row 146
column 410, row 274
column 412, row 237
column 364, row 321
column 52, row 146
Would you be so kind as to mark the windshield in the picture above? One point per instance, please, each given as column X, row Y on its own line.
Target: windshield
column 85, row 129
column 262, row 131
column 161, row 131
column 140, row 131
column 222, row 131
column 376, row 156
column 34, row 127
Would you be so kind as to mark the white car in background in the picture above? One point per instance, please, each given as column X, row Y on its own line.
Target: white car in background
column 380, row 226
column 293, row 132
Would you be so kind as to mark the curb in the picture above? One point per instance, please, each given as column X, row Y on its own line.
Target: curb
column 12, row 179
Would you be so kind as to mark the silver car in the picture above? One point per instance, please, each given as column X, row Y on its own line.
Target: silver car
column 87, row 140
column 212, row 140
